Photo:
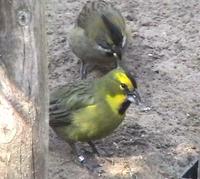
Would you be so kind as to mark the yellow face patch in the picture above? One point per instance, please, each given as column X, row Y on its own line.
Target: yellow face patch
column 115, row 101
column 123, row 78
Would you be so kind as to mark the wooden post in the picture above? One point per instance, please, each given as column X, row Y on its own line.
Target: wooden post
column 23, row 90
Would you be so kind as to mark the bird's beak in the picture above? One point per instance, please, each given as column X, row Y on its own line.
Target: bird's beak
column 117, row 53
column 118, row 56
column 134, row 97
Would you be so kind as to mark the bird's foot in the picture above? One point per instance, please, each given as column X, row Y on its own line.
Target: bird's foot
column 91, row 163
column 86, row 159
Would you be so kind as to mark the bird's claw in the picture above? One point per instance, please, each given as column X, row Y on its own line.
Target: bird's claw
column 91, row 164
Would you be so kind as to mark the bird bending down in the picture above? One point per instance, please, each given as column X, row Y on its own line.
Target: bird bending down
column 90, row 110
column 99, row 36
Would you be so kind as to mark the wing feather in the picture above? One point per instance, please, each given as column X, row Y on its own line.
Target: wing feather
column 67, row 99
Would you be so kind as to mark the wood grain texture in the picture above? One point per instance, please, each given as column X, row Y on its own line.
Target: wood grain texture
column 23, row 90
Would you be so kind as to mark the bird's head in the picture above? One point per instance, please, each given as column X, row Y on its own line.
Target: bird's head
column 114, row 39
column 121, row 90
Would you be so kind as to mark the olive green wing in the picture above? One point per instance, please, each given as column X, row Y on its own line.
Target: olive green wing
column 67, row 99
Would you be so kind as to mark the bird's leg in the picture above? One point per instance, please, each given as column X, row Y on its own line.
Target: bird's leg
column 77, row 151
column 116, row 60
column 86, row 161
column 94, row 149
column 118, row 63
column 83, row 70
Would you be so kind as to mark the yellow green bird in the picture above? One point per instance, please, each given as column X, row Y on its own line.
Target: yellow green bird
column 89, row 110
column 99, row 36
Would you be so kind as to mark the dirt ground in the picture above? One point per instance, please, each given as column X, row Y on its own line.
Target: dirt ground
column 164, row 53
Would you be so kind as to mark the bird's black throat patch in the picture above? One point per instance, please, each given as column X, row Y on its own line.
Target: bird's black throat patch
column 124, row 107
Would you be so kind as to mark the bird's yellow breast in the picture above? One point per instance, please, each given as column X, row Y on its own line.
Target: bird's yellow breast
column 97, row 121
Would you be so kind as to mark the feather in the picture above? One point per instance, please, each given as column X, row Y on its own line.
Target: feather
column 115, row 32
column 68, row 99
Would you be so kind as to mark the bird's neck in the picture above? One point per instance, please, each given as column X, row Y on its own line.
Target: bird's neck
column 124, row 107
column 117, row 102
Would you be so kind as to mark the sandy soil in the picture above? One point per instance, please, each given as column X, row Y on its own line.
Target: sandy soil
column 164, row 53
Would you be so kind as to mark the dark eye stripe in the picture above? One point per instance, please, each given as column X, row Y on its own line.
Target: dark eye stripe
column 115, row 32
column 103, row 44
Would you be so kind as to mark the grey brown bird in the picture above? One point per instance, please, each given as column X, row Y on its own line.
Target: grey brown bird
column 99, row 36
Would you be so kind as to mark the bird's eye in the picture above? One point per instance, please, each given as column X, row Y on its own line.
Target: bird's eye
column 123, row 86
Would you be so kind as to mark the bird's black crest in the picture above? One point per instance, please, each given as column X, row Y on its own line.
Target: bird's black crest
column 115, row 32
column 133, row 81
